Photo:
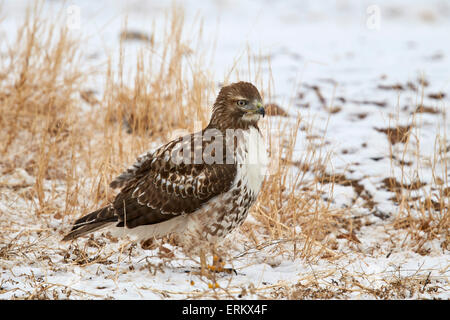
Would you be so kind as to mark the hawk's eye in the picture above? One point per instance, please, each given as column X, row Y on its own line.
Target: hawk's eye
column 242, row 103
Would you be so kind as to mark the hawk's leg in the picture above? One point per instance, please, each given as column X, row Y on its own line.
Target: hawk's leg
column 203, row 265
column 217, row 266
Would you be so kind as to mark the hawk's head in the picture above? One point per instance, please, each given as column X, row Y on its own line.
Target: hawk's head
column 238, row 105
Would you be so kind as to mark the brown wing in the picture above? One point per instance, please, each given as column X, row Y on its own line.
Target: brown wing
column 160, row 187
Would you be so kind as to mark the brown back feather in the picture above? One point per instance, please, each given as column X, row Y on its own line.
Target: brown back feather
column 162, row 189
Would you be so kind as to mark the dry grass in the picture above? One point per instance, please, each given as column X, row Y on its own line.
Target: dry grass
column 170, row 88
column 423, row 206
column 72, row 153
column 293, row 204
column 40, row 126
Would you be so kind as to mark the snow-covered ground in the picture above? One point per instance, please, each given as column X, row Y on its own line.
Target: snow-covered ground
column 353, row 69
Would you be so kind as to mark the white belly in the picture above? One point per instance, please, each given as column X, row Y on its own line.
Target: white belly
column 252, row 161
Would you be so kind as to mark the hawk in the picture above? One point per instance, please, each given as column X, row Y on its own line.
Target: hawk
column 198, row 187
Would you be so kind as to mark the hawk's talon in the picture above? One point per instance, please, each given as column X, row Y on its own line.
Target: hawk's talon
column 220, row 269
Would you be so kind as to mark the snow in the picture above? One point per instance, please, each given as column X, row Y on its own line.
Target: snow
column 322, row 43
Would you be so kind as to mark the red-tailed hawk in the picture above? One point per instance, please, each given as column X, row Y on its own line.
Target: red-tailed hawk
column 199, row 187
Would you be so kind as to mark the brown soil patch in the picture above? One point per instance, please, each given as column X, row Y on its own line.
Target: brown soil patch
column 396, row 135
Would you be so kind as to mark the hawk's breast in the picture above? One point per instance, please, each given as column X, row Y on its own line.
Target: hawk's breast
column 226, row 212
column 252, row 160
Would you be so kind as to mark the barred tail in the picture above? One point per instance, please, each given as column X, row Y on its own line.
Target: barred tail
column 91, row 222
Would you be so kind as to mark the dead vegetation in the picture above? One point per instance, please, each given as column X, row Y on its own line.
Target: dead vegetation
column 170, row 89
column 283, row 211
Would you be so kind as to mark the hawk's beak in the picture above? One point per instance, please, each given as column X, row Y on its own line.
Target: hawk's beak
column 260, row 109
